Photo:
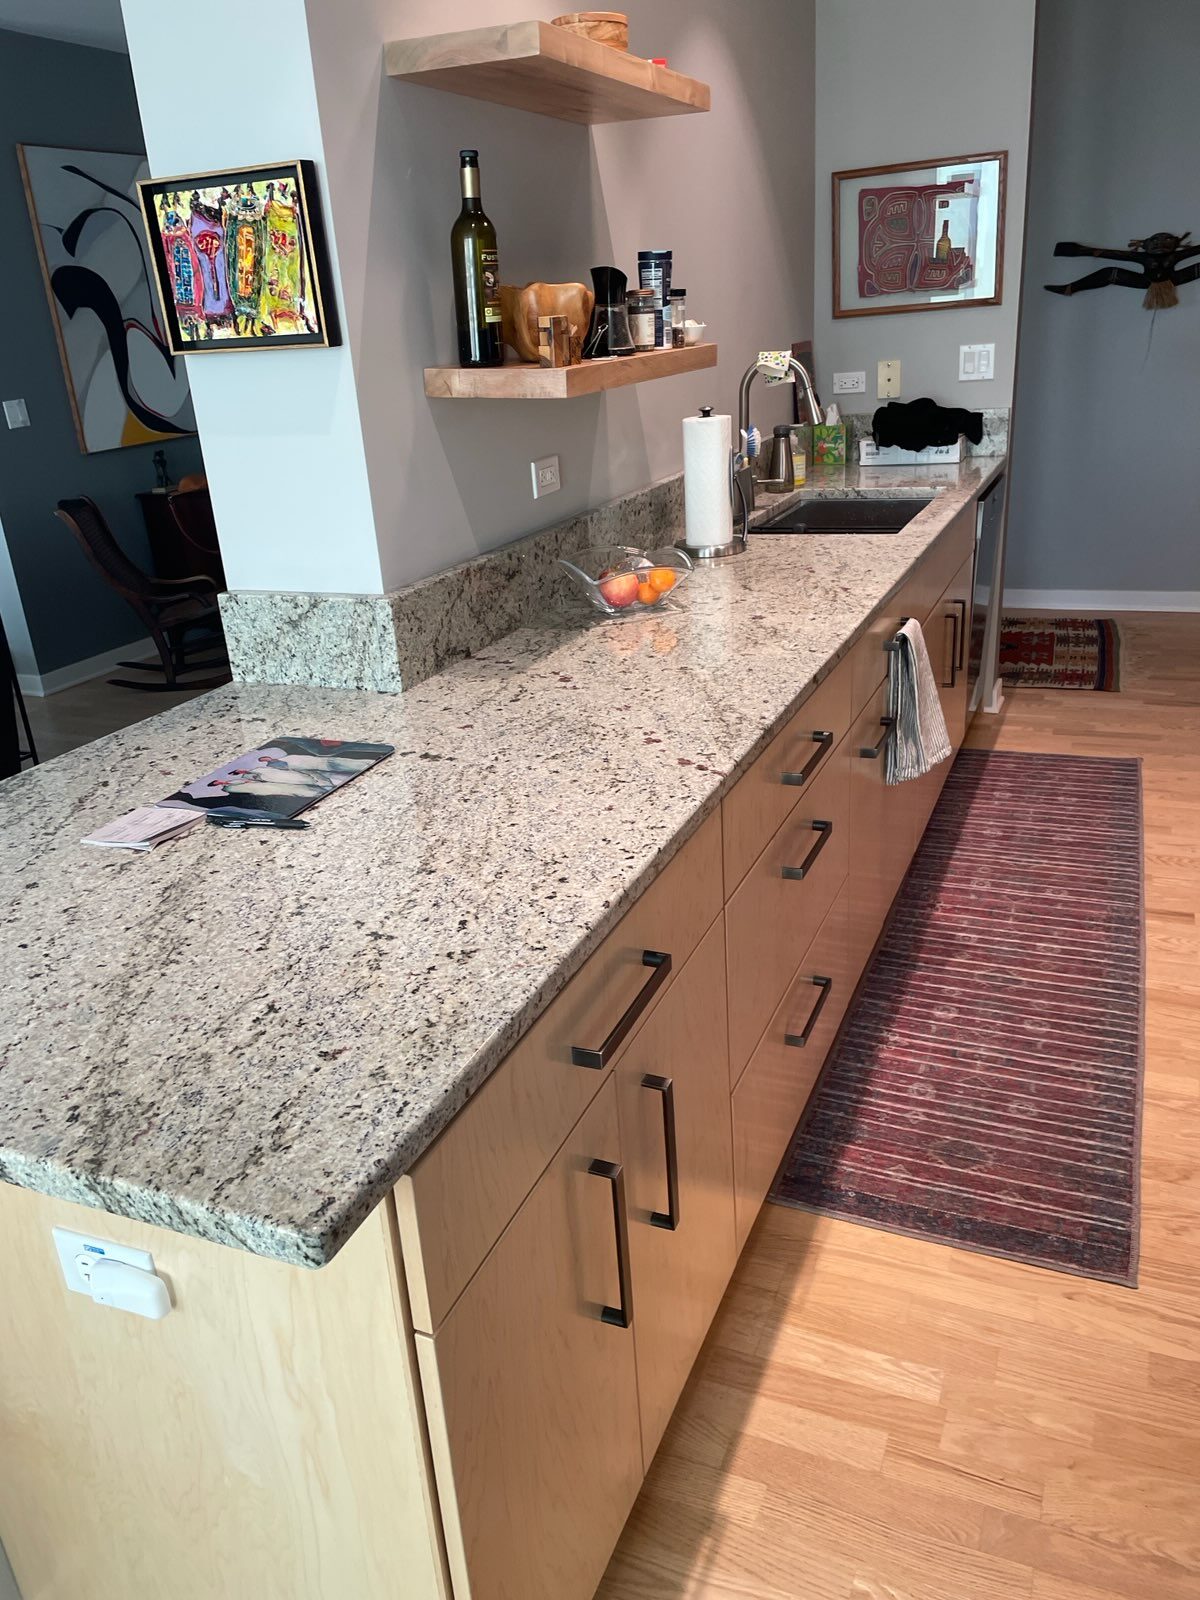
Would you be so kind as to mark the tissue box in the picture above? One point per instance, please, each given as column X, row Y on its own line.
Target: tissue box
column 828, row 444
column 870, row 454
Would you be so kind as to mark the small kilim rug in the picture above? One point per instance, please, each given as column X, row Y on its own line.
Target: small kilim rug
column 1060, row 652
column 985, row 1089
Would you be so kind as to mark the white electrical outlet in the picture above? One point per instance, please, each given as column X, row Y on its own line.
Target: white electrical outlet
column 78, row 1252
column 16, row 413
column 849, row 383
column 546, row 479
column 976, row 362
column 889, row 380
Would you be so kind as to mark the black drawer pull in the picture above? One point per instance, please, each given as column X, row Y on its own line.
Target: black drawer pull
column 581, row 1056
column 824, row 742
column 952, row 618
column 666, row 1087
column 799, row 1040
column 962, row 637
column 825, row 829
column 620, row 1316
column 872, row 752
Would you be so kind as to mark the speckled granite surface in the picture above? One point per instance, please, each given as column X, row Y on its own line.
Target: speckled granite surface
column 250, row 1036
column 394, row 641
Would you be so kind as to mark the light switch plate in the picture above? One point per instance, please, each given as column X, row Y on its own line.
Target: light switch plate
column 546, row 477
column 889, row 380
column 849, row 383
column 16, row 413
column 976, row 362
column 76, row 1252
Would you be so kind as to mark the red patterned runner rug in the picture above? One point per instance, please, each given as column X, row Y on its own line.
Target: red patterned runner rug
column 985, row 1089
column 1060, row 652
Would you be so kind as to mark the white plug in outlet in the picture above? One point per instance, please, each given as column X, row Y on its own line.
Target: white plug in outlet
column 78, row 1253
column 546, row 479
column 889, row 380
column 849, row 383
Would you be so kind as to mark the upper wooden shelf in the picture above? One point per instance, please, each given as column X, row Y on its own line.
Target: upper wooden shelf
column 523, row 381
column 535, row 66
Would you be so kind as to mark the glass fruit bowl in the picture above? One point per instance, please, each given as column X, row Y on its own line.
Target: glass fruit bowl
column 622, row 581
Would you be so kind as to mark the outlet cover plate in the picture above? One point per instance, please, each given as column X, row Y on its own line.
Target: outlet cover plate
column 849, row 383
column 16, row 413
column 75, row 1250
column 546, row 476
column 889, row 380
column 976, row 362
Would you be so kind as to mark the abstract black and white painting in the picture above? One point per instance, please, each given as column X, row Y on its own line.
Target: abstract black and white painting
column 125, row 384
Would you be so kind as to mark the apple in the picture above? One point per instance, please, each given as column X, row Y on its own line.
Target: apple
column 621, row 590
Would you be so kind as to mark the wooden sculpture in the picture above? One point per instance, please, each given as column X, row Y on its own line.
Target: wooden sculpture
column 521, row 308
column 1158, row 271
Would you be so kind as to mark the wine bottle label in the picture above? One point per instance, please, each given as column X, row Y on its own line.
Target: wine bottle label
column 489, row 275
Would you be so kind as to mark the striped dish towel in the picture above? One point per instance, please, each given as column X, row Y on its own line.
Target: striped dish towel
column 919, row 738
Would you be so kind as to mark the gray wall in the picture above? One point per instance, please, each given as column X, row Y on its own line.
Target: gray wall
column 729, row 192
column 1105, row 481
column 915, row 80
column 60, row 94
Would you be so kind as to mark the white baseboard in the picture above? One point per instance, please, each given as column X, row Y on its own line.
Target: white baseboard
column 76, row 672
column 1065, row 601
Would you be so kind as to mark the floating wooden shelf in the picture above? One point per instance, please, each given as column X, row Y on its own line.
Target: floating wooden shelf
column 521, row 381
column 535, row 66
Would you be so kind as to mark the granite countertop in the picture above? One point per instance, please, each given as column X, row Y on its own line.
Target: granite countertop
column 249, row 1036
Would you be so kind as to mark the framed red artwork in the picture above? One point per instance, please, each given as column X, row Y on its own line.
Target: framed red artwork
column 919, row 236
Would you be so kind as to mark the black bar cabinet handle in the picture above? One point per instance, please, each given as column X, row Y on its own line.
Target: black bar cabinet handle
column 620, row 1316
column 825, row 829
column 962, row 637
column 581, row 1056
column 952, row 618
column 666, row 1087
column 872, row 752
column 823, row 740
column 799, row 1040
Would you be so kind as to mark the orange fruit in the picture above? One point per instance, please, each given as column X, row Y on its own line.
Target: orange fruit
column 662, row 579
column 648, row 594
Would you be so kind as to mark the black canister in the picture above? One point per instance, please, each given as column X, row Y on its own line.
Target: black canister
column 654, row 272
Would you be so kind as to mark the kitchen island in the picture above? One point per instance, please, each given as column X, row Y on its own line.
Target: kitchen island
column 252, row 1039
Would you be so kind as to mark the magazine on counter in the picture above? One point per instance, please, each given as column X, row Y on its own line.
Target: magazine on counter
column 281, row 778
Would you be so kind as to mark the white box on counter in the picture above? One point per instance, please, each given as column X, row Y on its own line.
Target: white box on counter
column 870, row 455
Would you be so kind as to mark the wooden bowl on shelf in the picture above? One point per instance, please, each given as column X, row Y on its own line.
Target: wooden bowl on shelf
column 605, row 27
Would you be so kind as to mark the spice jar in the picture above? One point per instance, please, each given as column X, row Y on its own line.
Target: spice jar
column 678, row 316
column 644, row 314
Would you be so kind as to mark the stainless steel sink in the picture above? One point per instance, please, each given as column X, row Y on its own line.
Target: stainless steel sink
column 866, row 515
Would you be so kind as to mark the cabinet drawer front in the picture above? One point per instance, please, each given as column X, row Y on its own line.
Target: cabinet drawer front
column 531, row 1396
column 762, row 800
column 772, row 918
column 774, row 1089
column 460, row 1195
column 673, row 1104
column 915, row 598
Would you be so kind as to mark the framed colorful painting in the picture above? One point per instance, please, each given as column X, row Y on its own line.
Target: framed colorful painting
column 919, row 236
column 123, row 381
column 240, row 259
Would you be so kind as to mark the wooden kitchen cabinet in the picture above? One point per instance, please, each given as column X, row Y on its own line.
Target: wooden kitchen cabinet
column 774, row 1089
column 678, row 1159
column 531, row 1394
column 776, row 910
column 945, row 630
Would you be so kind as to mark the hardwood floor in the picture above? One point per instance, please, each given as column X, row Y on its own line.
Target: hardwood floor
column 72, row 717
column 880, row 1418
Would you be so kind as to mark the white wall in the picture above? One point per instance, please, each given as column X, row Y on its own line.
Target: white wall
column 1105, row 483
column 280, row 428
column 729, row 192
column 921, row 79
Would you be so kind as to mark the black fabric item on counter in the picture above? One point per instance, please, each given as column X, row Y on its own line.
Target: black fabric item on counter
column 917, row 424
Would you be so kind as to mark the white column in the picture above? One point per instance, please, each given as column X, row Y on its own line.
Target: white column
column 280, row 429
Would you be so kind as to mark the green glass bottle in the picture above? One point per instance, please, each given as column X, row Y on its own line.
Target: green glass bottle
column 476, row 275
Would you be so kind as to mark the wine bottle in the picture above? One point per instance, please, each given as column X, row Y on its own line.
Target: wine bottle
column 476, row 264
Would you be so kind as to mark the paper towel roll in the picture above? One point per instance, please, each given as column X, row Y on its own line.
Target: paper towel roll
column 707, row 506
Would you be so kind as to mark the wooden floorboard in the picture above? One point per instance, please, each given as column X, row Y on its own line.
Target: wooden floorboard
column 883, row 1418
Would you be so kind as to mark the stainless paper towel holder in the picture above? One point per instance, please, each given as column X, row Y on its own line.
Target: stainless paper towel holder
column 737, row 493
